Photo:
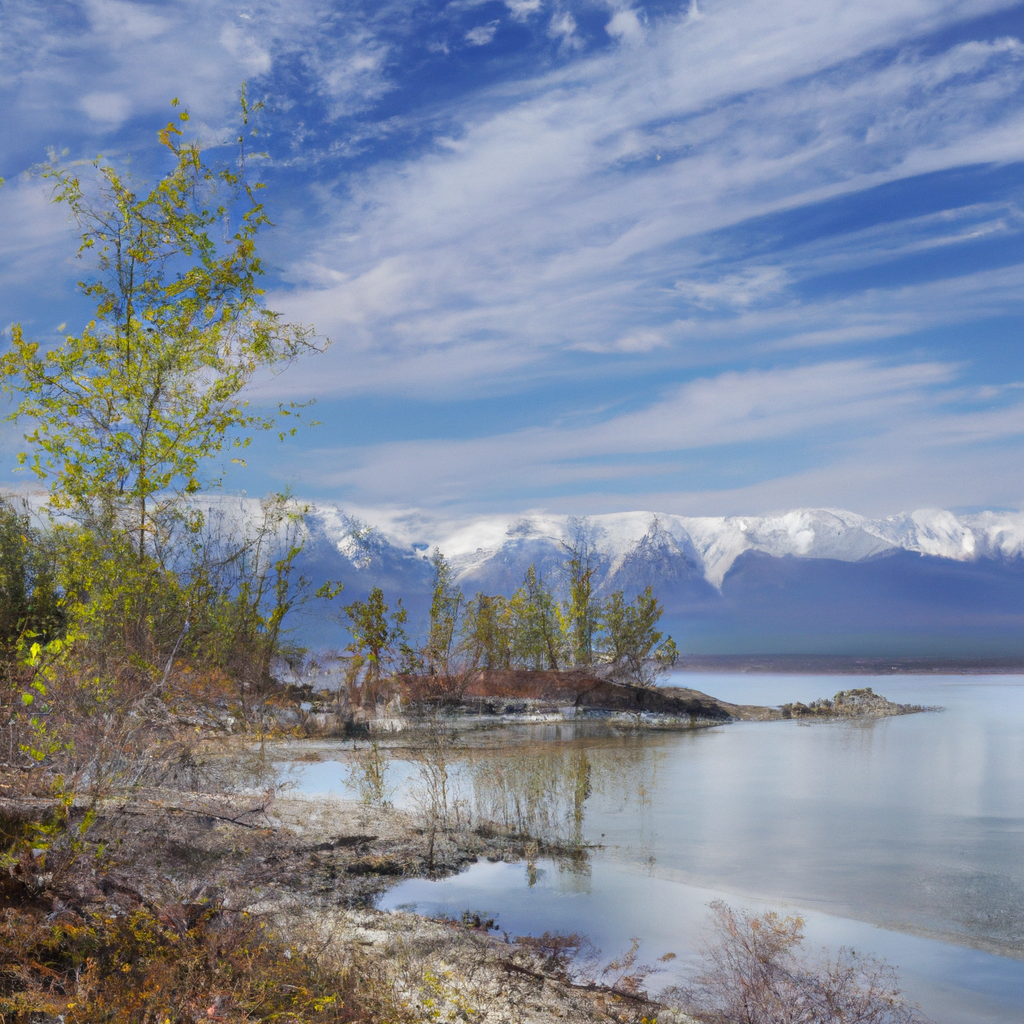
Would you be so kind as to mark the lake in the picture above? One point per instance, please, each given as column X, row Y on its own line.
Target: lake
column 901, row 837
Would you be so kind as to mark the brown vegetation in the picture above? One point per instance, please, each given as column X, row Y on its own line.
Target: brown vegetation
column 755, row 971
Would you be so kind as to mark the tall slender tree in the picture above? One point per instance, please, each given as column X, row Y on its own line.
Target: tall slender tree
column 537, row 640
column 124, row 418
column 580, row 612
column 487, row 632
column 378, row 645
column 446, row 607
column 630, row 641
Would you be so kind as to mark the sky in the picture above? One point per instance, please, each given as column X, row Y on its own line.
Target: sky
column 717, row 257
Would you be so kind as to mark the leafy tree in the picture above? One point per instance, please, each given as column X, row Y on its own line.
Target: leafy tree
column 123, row 417
column 487, row 632
column 31, row 606
column 379, row 645
column 240, row 590
column 580, row 612
column 537, row 640
column 445, row 608
column 630, row 641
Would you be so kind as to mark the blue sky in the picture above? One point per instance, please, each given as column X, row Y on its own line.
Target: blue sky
column 710, row 258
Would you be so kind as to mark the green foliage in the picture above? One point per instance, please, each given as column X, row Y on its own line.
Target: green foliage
column 445, row 608
column 123, row 422
column 379, row 645
column 173, row 965
column 537, row 638
column 31, row 604
column 580, row 613
column 629, row 641
column 488, row 631
column 239, row 591
column 123, row 417
column 531, row 630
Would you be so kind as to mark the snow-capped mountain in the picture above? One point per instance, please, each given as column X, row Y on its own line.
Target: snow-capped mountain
column 709, row 544
column 823, row 580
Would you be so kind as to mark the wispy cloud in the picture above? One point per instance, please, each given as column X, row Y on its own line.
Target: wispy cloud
column 573, row 210
column 755, row 213
column 850, row 412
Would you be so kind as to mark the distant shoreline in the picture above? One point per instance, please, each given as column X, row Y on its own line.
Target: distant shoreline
column 828, row 664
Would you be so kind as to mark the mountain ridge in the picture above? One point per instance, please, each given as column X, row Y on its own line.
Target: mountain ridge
column 712, row 543
column 927, row 583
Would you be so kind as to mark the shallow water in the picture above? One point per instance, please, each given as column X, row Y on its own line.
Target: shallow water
column 914, row 824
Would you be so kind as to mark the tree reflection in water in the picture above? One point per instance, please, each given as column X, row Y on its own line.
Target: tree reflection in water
column 538, row 792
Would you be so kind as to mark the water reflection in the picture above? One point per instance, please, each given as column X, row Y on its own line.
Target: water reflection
column 543, row 790
column 914, row 823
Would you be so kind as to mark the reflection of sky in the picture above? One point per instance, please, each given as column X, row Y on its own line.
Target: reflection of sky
column 915, row 823
column 722, row 256
column 953, row 984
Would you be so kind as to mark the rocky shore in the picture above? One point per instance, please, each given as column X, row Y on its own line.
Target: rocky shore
column 310, row 870
column 343, row 853
column 490, row 698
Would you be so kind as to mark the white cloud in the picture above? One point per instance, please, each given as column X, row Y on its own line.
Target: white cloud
column 640, row 341
column 522, row 9
column 124, row 23
column 200, row 51
column 566, row 219
column 482, row 34
column 37, row 241
column 352, row 74
column 752, row 285
column 546, row 222
column 252, row 57
column 563, row 26
column 855, row 409
column 109, row 109
column 625, row 26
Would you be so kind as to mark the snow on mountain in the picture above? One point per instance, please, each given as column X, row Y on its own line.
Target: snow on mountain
column 708, row 545
column 924, row 583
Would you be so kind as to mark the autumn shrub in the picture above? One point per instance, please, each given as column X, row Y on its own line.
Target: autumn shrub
column 755, row 970
column 172, row 965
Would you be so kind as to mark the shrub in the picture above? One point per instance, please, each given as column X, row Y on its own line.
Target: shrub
column 172, row 965
column 755, row 972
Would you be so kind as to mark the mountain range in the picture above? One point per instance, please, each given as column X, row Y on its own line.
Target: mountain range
column 928, row 583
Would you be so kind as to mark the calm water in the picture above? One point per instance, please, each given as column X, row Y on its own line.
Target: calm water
column 901, row 837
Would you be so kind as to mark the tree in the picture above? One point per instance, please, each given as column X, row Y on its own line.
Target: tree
column 378, row 646
column 487, row 632
column 537, row 640
column 123, row 417
column 445, row 608
column 580, row 613
column 755, row 972
column 30, row 602
column 630, row 643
